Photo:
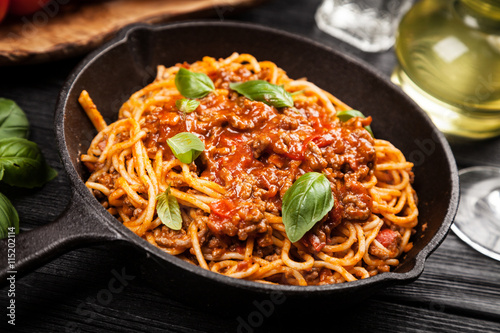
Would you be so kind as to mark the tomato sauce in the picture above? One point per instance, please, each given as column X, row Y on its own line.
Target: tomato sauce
column 257, row 151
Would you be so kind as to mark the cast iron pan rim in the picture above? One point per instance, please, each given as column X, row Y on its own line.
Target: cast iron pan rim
column 130, row 237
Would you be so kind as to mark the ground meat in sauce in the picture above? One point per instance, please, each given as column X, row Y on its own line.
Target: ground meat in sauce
column 257, row 152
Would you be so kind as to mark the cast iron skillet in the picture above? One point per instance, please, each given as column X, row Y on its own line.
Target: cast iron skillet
column 127, row 63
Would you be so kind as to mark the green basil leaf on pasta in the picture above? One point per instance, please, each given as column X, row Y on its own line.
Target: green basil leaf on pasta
column 192, row 84
column 298, row 92
column 13, row 121
column 168, row 210
column 305, row 203
column 263, row 91
column 187, row 105
column 9, row 219
column 348, row 114
column 22, row 164
column 186, row 146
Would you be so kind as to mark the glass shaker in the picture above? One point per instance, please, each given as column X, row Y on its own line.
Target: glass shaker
column 369, row 25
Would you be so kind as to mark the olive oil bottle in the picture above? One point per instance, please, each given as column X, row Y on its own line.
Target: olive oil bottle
column 449, row 63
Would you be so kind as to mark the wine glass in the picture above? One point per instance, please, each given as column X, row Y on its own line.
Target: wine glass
column 449, row 62
column 478, row 219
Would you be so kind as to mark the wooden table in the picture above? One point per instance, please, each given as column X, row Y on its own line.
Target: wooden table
column 458, row 291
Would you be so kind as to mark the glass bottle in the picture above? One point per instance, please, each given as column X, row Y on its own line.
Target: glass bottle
column 449, row 63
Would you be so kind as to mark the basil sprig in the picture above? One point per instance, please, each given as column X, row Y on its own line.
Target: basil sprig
column 186, row 146
column 187, row 105
column 263, row 91
column 21, row 161
column 168, row 210
column 348, row 114
column 192, row 84
column 9, row 219
column 13, row 121
column 306, row 202
column 22, row 164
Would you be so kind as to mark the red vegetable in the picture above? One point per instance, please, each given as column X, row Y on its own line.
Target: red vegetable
column 4, row 5
column 223, row 208
column 25, row 7
column 386, row 237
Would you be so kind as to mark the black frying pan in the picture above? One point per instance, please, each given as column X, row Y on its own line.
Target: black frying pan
column 113, row 72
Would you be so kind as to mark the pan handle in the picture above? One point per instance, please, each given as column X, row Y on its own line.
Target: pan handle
column 76, row 226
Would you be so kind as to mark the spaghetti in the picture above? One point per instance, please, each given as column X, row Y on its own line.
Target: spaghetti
column 230, row 197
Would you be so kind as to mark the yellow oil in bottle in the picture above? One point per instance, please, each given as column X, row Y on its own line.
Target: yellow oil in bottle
column 449, row 63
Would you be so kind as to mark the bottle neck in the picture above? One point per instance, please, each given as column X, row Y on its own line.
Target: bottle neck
column 479, row 14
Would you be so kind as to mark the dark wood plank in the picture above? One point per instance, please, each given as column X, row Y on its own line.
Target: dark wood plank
column 64, row 295
column 456, row 279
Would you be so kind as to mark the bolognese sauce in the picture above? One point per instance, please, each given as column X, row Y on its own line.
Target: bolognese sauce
column 231, row 196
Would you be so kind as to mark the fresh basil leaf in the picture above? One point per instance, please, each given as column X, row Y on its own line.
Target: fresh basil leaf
column 187, row 105
column 192, row 84
column 168, row 210
column 306, row 202
column 186, row 146
column 22, row 164
column 13, row 121
column 263, row 91
column 298, row 92
column 348, row 114
column 8, row 217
